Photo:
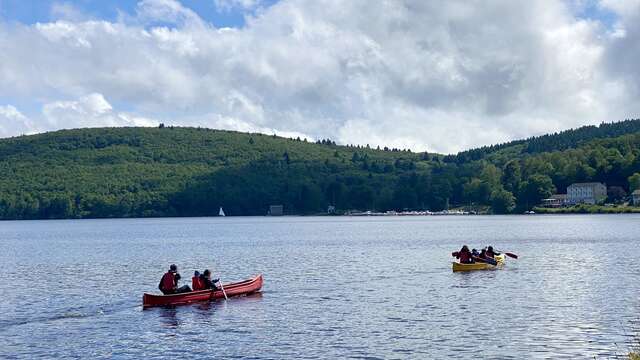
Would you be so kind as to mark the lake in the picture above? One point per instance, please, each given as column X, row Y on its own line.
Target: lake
column 335, row 287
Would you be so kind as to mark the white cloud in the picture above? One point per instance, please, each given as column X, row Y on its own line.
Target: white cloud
column 167, row 11
column 441, row 76
column 92, row 110
column 623, row 50
column 623, row 8
column 228, row 5
column 66, row 11
column 13, row 122
column 229, row 123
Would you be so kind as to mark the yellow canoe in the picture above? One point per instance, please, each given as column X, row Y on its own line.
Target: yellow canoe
column 479, row 266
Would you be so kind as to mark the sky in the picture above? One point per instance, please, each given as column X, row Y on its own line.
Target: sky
column 437, row 76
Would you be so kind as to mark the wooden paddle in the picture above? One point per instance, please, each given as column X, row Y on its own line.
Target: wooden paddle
column 511, row 255
column 485, row 260
column 223, row 292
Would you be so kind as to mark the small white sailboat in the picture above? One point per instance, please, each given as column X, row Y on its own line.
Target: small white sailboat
column 221, row 212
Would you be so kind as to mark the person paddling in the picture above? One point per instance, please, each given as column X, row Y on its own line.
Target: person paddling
column 206, row 281
column 183, row 288
column 491, row 253
column 464, row 255
column 483, row 256
column 196, row 281
column 169, row 282
column 479, row 256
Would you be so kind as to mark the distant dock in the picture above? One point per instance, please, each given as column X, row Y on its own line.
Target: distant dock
column 408, row 213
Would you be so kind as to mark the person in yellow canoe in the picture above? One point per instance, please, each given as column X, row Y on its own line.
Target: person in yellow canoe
column 491, row 253
column 482, row 256
column 464, row 255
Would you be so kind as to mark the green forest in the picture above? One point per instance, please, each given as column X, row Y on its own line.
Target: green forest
column 175, row 171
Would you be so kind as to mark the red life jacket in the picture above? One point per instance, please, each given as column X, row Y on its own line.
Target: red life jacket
column 168, row 281
column 465, row 257
column 196, row 283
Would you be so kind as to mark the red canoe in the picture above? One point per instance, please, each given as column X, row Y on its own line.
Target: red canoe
column 232, row 289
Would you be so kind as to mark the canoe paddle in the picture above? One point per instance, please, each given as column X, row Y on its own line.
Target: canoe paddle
column 511, row 255
column 223, row 292
column 485, row 260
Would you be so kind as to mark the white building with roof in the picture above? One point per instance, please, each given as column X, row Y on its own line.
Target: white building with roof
column 586, row 193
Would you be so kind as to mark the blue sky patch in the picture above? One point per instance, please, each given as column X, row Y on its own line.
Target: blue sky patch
column 31, row 12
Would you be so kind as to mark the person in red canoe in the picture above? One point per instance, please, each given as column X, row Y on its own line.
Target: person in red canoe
column 464, row 255
column 196, row 281
column 206, row 281
column 169, row 282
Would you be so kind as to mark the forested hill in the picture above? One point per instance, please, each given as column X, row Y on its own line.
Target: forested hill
column 114, row 172
column 124, row 172
column 553, row 142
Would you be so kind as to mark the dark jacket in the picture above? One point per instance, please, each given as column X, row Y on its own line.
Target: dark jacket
column 208, row 283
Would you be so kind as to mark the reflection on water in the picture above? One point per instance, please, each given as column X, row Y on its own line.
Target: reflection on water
column 203, row 312
column 168, row 317
column 334, row 288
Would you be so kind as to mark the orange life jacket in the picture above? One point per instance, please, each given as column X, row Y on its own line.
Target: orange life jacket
column 196, row 283
column 168, row 281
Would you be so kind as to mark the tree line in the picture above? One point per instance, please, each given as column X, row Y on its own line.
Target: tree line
column 173, row 171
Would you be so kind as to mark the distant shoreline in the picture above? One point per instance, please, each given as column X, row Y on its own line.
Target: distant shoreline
column 561, row 211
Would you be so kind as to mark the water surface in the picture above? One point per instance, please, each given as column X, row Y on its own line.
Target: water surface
column 334, row 287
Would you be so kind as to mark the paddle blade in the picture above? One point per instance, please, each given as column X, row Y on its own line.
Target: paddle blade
column 511, row 255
